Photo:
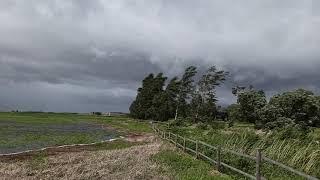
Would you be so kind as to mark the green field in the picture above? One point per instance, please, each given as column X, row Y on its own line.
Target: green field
column 26, row 130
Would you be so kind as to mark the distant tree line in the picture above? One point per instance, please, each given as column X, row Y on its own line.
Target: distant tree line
column 195, row 100
column 181, row 97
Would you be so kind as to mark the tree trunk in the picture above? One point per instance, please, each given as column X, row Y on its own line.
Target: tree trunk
column 176, row 115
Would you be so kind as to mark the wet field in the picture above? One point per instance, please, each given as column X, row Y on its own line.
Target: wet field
column 33, row 131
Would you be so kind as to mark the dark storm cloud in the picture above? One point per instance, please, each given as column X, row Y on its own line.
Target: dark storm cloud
column 91, row 55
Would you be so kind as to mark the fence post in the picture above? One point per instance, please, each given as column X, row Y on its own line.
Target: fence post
column 169, row 136
column 219, row 158
column 258, row 164
column 176, row 141
column 197, row 146
column 184, row 143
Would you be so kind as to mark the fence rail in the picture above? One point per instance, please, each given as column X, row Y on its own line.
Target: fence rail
column 259, row 158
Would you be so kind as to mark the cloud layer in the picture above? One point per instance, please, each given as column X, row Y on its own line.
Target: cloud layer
column 81, row 55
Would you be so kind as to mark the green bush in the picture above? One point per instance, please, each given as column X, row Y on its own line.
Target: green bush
column 297, row 107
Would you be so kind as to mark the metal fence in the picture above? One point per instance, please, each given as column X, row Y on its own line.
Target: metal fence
column 259, row 158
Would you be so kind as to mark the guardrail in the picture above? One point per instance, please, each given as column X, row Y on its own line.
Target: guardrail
column 259, row 158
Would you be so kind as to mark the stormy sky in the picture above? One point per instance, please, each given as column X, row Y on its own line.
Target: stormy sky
column 82, row 56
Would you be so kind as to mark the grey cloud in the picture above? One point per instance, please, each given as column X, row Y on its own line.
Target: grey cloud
column 98, row 46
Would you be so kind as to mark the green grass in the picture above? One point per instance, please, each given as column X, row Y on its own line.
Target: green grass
column 183, row 166
column 120, row 123
column 126, row 124
column 42, row 118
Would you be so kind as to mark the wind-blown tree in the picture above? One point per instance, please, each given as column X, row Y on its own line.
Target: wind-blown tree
column 196, row 103
column 155, row 102
column 142, row 108
column 143, row 99
column 156, row 90
column 161, row 107
column 250, row 103
column 186, row 87
column 164, row 103
column 172, row 91
column 204, row 100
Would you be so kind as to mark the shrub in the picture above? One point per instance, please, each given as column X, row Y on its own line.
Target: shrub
column 293, row 131
column 202, row 126
column 297, row 107
column 178, row 122
column 217, row 125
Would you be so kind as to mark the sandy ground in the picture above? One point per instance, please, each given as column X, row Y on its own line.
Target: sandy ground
column 126, row 164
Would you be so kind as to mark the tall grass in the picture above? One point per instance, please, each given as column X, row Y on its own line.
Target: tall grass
column 301, row 153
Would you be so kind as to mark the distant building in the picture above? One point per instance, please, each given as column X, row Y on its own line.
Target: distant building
column 114, row 114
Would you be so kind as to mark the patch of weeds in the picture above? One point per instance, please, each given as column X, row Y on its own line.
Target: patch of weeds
column 117, row 144
column 183, row 166
column 38, row 161
column 126, row 124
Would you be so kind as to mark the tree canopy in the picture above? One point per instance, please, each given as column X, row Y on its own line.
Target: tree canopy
column 299, row 107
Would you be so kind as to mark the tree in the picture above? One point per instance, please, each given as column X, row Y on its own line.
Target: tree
column 143, row 99
column 205, row 98
column 164, row 103
column 234, row 114
column 142, row 108
column 195, row 105
column 251, row 102
column 161, row 107
column 185, row 88
column 172, row 91
column 156, row 92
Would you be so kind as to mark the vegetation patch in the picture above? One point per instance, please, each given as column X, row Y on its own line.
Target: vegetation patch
column 183, row 166
column 125, row 125
column 301, row 154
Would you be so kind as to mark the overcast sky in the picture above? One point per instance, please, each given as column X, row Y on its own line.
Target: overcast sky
column 90, row 55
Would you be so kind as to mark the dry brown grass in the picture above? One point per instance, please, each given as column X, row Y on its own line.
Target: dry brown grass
column 126, row 164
